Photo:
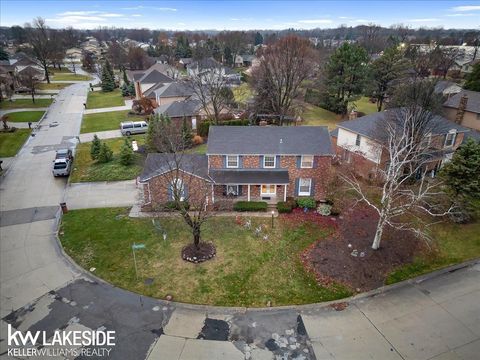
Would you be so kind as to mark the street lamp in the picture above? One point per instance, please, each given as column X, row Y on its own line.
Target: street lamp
column 273, row 213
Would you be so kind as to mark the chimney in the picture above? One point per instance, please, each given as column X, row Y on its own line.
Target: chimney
column 461, row 109
column 352, row 115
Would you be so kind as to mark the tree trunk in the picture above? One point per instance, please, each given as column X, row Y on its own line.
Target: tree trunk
column 47, row 76
column 196, row 237
column 33, row 95
column 378, row 233
column 380, row 103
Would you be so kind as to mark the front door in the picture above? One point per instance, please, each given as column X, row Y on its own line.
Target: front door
column 268, row 190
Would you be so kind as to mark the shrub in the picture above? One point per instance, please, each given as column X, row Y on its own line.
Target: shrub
column 203, row 127
column 292, row 202
column 105, row 155
column 250, row 206
column 223, row 205
column 324, row 209
column 307, row 202
column 284, row 207
column 334, row 211
column 173, row 205
column 126, row 153
column 197, row 140
column 95, row 147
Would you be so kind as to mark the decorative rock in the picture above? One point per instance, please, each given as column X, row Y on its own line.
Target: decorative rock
column 289, row 332
column 349, row 246
column 92, row 269
column 292, row 340
column 156, row 308
column 169, row 297
column 275, row 336
column 306, row 351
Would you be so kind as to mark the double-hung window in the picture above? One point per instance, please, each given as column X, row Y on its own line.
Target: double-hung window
column 269, row 161
column 304, row 187
column 307, row 162
column 232, row 161
column 450, row 138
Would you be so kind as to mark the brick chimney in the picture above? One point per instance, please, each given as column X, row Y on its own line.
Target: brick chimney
column 461, row 109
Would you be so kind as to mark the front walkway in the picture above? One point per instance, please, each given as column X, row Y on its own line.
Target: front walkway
column 101, row 194
column 127, row 106
column 109, row 134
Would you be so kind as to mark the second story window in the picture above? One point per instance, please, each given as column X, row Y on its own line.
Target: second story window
column 307, row 161
column 232, row 161
column 269, row 161
column 357, row 140
column 450, row 138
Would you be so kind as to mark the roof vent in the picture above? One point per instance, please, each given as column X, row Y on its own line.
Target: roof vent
column 281, row 141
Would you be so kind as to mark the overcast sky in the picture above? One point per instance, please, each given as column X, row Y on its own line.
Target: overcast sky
column 241, row 15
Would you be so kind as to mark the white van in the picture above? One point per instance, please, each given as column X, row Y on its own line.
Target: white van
column 133, row 127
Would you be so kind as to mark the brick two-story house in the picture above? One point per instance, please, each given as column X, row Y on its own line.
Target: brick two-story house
column 359, row 142
column 249, row 163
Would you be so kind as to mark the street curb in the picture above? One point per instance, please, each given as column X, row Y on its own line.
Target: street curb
column 299, row 308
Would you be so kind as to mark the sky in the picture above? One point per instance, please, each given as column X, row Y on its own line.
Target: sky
column 241, row 14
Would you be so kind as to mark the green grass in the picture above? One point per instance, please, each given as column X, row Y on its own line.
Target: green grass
column 100, row 99
column 317, row 116
column 52, row 86
column 455, row 243
column 25, row 116
column 365, row 106
column 25, row 103
column 71, row 77
column 85, row 169
column 106, row 121
column 247, row 271
column 199, row 149
column 63, row 70
column 10, row 143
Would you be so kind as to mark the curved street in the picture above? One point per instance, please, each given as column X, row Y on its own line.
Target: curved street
column 437, row 318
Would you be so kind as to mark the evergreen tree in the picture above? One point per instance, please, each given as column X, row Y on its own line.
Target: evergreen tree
column 3, row 54
column 346, row 74
column 258, row 38
column 108, row 67
column 108, row 84
column 126, row 153
column 152, row 131
column 473, row 79
column 125, row 78
column 186, row 134
column 95, row 147
column 105, row 155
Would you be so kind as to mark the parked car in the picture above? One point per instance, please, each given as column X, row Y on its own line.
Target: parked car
column 133, row 127
column 64, row 154
column 62, row 167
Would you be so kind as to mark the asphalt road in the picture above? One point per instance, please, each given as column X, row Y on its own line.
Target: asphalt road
column 40, row 289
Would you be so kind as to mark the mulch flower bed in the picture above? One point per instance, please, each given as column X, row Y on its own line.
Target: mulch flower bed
column 347, row 257
column 204, row 252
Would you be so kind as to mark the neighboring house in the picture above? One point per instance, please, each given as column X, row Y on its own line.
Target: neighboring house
column 250, row 163
column 210, row 65
column 447, row 88
column 185, row 62
column 147, row 81
column 244, row 60
column 359, row 142
column 464, row 109
column 190, row 109
column 162, row 59
column 175, row 91
column 73, row 55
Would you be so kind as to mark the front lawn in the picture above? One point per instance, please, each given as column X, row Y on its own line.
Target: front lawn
column 100, row 99
column 454, row 243
column 247, row 271
column 10, row 143
column 317, row 116
column 242, row 93
column 71, row 77
column 199, row 149
column 86, row 170
column 63, row 70
column 25, row 116
column 106, row 121
column 52, row 86
column 25, row 103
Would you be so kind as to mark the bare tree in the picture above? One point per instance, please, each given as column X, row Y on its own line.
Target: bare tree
column 181, row 178
column 29, row 79
column 444, row 57
column 38, row 37
column 408, row 196
column 282, row 69
column 210, row 87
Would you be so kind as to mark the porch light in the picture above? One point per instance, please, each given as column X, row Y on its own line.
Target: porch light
column 273, row 213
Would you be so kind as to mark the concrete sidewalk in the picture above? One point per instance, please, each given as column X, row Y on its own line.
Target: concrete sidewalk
column 127, row 106
column 101, row 194
column 110, row 134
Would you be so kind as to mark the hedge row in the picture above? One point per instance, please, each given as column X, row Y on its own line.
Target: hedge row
column 250, row 206
column 205, row 125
